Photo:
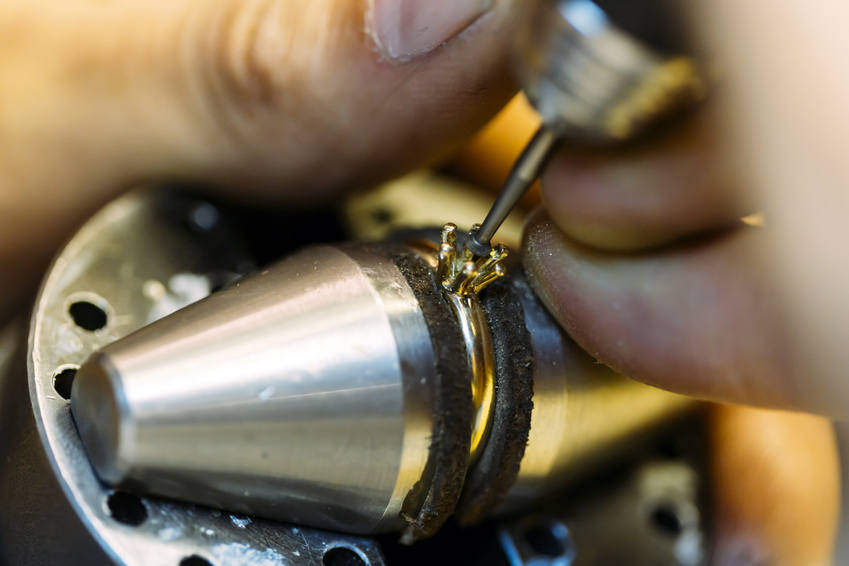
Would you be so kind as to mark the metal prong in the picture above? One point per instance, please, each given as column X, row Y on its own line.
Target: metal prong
column 485, row 279
column 496, row 255
column 461, row 283
column 449, row 234
column 446, row 257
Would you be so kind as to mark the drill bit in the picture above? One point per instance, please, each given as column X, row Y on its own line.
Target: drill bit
column 522, row 176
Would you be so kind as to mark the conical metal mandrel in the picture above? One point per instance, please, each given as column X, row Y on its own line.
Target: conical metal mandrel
column 250, row 399
column 335, row 390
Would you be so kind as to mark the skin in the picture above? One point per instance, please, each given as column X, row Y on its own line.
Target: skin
column 638, row 253
column 252, row 97
column 653, row 231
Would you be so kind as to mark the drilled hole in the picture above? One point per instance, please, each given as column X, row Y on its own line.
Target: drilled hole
column 87, row 315
column 203, row 218
column 195, row 560
column 543, row 541
column 665, row 520
column 63, row 380
column 382, row 216
column 670, row 449
column 127, row 508
column 341, row 556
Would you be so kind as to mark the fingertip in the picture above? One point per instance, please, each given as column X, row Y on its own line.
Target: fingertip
column 644, row 195
column 701, row 318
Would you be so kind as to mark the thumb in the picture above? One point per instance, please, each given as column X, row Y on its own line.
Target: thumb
column 310, row 97
column 277, row 99
column 306, row 97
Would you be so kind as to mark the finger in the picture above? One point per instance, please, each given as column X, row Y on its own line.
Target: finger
column 257, row 92
column 788, row 123
column 776, row 487
column 291, row 101
column 648, row 194
column 703, row 318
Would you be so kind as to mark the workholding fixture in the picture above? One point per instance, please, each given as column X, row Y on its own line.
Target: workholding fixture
column 148, row 254
column 370, row 388
column 140, row 258
column 362, row 388
column 346, row 388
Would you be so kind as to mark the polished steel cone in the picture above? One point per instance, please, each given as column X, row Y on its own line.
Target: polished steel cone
column 335, row 390
column 300, row 393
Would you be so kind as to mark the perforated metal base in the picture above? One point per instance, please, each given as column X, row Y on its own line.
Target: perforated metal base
column 140, row 258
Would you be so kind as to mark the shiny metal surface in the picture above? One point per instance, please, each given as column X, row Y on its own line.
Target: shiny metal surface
column 593, row 81
column 475, row 330
column 471, row 320
column 306, row 392
column 526, row 170
column 584, row 413
column 302, row 393
column 649, row 515
column 141, row 257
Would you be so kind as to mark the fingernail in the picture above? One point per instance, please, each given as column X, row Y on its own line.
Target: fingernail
column 404, row 29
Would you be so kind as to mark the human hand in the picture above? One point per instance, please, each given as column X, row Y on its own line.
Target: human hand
column 774, row 476
column 290, row 102
column 640, row 253
column 641, row 256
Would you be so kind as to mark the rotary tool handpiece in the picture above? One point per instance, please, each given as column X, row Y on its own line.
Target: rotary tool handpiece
column 596, row 73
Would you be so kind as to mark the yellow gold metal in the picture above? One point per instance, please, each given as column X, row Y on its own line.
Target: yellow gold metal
column 470, row 318
column 482, row 281
column 449, row 234
column 461, row 271
column 447, row 253
column 462, row 275
column 463, row 281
